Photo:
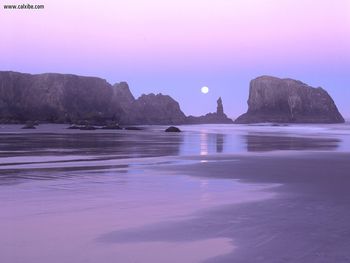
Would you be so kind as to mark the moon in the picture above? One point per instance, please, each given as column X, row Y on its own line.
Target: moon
column 205, row 90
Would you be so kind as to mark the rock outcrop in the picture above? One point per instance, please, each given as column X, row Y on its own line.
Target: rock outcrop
column 172, row 129
column 65, row 98
column 122, row 97
column 53, row 97
column 288, row 101
column 218, row 117
column 154, row 109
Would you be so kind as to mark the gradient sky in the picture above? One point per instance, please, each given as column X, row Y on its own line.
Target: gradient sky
column 176, row 47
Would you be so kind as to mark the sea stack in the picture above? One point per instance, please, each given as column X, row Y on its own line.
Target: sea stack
column 278, row 100
column 218, row 117
column 67, row 98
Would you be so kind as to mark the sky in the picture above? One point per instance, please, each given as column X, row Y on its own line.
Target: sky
column 177, row 47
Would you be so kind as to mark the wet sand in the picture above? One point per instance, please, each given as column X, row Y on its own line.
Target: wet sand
column 308, row 220
column 209, row 194
column 59, row 213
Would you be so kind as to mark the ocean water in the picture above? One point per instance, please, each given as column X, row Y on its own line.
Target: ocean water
column 62, row 190
column 194, row 140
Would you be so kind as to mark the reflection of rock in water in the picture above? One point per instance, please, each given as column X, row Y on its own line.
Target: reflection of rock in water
column 124, row 144
column 211, row 143
column 256, row 143
column 219, row 143
column 55, row 150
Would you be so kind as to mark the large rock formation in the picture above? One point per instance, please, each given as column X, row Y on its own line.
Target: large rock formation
column 218, row 117
column 52, row 97
column 123, row 96
column 70, row 98
column 154, row 109
column 288, row 101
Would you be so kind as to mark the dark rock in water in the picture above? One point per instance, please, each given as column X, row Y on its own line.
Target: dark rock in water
column 74, row 127
column 29, row 125
column 173, row 129
column 218, row 117
column 82, row 125
column 87, row 128
column 111, row 126
column 133, row 128
column 288, row 101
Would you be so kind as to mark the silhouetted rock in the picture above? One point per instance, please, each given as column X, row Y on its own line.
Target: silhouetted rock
column 218, row 117
column 173, row 129
column 122, row 102
column 288, row 101
column 155, row 109
column 53, row 97
column 29, row 125
column 220, row 108
column 88, row 128
column 111, row 126
column 74, row 127
column 65, row 98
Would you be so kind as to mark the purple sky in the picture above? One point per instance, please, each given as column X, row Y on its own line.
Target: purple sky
column 176, row 47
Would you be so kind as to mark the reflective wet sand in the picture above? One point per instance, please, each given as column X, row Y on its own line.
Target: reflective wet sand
column 207, row 194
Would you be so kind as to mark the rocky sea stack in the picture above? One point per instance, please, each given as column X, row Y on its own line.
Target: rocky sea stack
column 218, row 117
column 288, row 101
column 67, row 98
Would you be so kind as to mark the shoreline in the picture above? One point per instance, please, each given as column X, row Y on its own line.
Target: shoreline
column 306, row 222
column 85, row 205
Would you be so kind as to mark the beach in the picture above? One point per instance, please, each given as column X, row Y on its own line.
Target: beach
column 306, row 222
column 225, row 193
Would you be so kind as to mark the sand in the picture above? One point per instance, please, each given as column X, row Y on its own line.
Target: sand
column 209, row 194
column 308, row 220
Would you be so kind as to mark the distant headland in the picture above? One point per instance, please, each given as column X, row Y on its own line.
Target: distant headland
column 67, row 98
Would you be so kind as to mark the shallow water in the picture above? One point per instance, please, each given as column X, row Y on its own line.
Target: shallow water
column 194, row 140
column 62, row 191
column 61, row 220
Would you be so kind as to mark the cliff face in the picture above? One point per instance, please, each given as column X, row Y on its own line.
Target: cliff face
column 155, row 109
column 70, row 98
column 288, row 101
column 123, row 95
column 52, row 97
column 218, row 117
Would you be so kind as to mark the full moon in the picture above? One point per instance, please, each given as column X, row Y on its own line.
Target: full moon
column 205, row 90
